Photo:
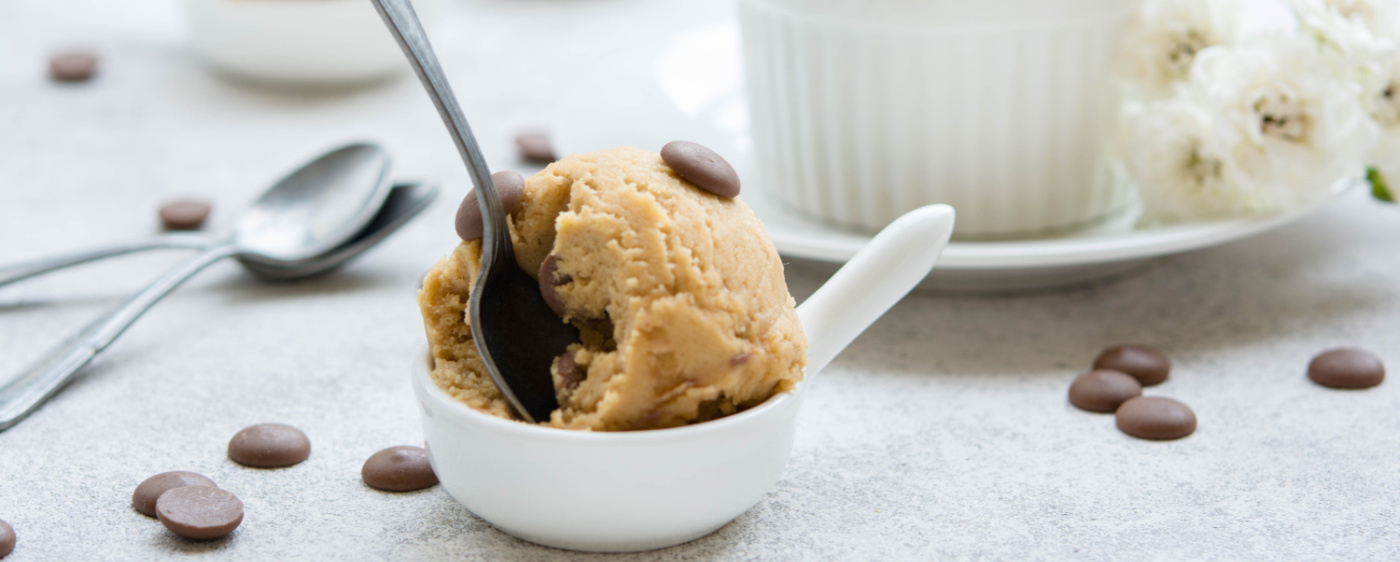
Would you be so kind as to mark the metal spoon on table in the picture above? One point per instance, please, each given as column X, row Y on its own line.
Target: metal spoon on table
column 517, row 335
column 296, row 229
column 364, row 165
column 404, row 201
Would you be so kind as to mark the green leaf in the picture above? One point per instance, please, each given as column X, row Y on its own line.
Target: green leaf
column 1379, row 189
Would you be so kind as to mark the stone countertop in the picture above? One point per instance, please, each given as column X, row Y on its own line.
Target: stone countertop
column 943, row 432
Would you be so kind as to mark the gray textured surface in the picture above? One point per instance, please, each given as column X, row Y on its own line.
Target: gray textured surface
column 943, row 432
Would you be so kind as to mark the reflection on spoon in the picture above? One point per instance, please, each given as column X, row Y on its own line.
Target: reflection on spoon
column 405, row 201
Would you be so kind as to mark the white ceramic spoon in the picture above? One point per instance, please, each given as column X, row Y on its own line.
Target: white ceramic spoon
column 639, row 490
column 886, row 269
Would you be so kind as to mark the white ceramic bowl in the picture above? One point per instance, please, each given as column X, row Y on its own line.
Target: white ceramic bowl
column 628, row 491
column 611, row 492
column 297, row 42
column 863, row 110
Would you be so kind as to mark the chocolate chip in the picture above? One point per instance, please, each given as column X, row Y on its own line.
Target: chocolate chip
column 703, row 167
column 1103, row 390
column 603, row 326
column 199, row 512
column 73, row 66
column 7, row 539
column 509, row 185
column 269, row 445
column 569, row 372
column 535, row 147
column 739, row 359
column 1145, row 364
column 1346, row 368
column 399, row 469
column 184, row 215
column 1152, row 417
column 549, row 279
column 146, row 494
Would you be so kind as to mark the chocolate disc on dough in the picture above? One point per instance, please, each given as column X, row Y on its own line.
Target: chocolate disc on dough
column 1145, row 364
column 269, row 445
column 703, row 167
column 75, row 66
column 1103, row 390
column 509, row 185
column 146, row 494
column 549, row 279
column 1152, row 417
column 1346, row 368
column 570, row 374
column 199, row 512
column 7, row 539
column 399, row 469
column 184, row 215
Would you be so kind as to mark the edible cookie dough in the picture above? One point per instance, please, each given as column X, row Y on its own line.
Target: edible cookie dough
column 678, row 293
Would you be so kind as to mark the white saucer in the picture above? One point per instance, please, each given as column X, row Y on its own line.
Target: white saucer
column 689, row 86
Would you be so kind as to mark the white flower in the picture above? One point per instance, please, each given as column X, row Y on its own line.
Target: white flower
column 1293, row 129
column 1359, row 42
column 1182, row 170
column 1261, row 127
column 1162, row 41
column 1380, row 94
column 1380, row 97
column 1349, row 26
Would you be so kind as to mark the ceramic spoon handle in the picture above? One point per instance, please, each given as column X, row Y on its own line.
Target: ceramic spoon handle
column 874, row 280
column 26, row 269
column 404, row 25
column 26, row 392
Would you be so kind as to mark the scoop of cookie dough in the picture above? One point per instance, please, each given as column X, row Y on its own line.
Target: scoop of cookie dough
column 678, row 293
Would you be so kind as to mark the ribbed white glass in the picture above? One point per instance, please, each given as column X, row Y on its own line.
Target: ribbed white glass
column 1000, row 109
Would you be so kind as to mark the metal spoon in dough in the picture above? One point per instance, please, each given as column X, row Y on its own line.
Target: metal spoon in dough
column 517, row 335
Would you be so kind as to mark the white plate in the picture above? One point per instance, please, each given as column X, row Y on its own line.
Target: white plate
column 689, row 86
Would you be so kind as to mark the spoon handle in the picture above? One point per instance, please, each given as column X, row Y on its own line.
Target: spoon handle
column 403, row 23
column 26, row 269
column 885, row 270
column 24, row 393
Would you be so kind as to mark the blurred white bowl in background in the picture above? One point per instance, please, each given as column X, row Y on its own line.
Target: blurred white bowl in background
column 297, row 42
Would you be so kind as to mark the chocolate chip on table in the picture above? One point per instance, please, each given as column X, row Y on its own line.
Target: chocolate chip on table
column 269, row 445
column 399, row 469
column 73, row 66
column 1103, row 390
column 569, row 372
column 703, row 167
column 184, row 215
column 509, row 185
column 7, row 539
column 549, row 279
column 1152, row 417
column 534, row 146
column 1346, row 367
column 146, row 494
column 1145, row 364
column 199, row 512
